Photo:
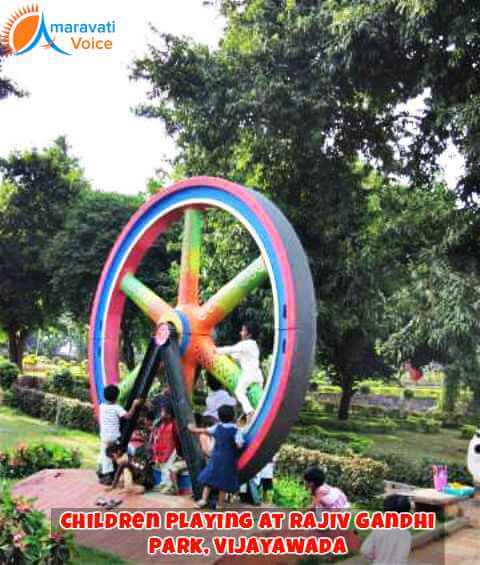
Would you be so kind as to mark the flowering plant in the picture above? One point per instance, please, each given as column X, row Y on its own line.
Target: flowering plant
column 25, row 536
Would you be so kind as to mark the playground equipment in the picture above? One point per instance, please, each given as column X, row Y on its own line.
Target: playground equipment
column 183, row 337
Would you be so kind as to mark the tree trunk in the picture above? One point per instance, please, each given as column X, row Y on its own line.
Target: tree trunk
column 475, row 404
column 451, row 390
column 347, row 395
column 16, row 340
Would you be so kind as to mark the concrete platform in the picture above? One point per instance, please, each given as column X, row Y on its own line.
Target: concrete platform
column 78, row 489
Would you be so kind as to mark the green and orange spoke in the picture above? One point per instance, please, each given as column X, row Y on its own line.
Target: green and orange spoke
column 191, row 254
column 233, row 293
column 149, row 303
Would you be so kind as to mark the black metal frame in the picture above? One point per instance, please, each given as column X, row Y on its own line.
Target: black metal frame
column 168, row 353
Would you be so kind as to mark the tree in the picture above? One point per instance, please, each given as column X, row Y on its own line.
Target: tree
column 434, row 315
column 91, row 228
column 265, row 109
column 37, row 189
column 395, row 50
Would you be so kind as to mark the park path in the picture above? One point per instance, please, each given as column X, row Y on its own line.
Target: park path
column 461, row 547
column 78, row 489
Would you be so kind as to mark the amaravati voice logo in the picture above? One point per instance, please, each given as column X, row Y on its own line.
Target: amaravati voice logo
column 24, row 30
column 27, row 27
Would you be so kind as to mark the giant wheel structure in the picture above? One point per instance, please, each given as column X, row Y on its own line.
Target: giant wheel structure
column 281, row 260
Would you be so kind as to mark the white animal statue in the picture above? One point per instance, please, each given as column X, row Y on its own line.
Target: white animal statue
column 473, row 458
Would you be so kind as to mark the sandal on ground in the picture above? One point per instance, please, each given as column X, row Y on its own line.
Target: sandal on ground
column 101, row 502
column 113, row 503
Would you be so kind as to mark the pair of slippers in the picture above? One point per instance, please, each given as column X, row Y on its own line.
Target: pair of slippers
column 108, row 504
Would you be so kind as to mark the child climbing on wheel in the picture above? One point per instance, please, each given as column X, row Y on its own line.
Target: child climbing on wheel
column 221, row 470
column 247, row 353
column 110, row 416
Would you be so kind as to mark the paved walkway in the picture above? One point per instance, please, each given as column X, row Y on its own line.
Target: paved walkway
column 79, row 489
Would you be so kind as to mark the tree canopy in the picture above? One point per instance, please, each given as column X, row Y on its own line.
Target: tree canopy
column 302, row 100
column 36, row 190
column 78, row 252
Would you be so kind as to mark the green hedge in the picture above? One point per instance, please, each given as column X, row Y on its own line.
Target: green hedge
column 64, row 383
column 316, row 438
column 8, row 374
column 468, row 431
column 378, row 425
column 404, row 469
column 60, row 410
column 360, row 478
column 385, row 390
column 25, row 460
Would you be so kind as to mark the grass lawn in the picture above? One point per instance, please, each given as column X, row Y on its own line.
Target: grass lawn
column 87, row 556
column 16, row 428
column 446, row 445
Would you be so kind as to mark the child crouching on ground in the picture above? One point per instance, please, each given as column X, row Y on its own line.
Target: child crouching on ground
column 127, row 471
column 385, row 547
column 324, row 496
column 221, row 470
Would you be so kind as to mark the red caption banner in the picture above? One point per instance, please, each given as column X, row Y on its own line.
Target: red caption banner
column 253, row 528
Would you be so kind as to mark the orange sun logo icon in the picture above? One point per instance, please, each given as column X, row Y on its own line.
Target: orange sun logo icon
column 20, row 30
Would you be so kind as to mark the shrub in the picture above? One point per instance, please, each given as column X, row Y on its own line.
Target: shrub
column 290, row 493
column 452, row 420
column 364, row 389
column 8, row 374
column 330, row 408
column 62, row 381
column 53, row 408
column 360, row 478
column 24, row 460
column 430, row 425
column 25, row 536
column 467, row 431
column 319, row 439
column 30, row 359
column 404, row 469
column 64, row 384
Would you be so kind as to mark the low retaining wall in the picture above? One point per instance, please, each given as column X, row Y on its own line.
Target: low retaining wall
column 393, row 402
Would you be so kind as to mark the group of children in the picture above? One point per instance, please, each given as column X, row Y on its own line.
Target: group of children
column 155, row 445
column 221, row 441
